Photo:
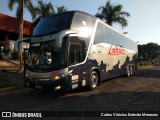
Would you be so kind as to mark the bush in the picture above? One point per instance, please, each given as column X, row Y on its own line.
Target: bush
column 144, row 63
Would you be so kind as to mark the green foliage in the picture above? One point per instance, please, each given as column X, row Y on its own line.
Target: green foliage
column 19, row 3
column 144, row 63
column 113, row 14
column 61, row 9
column 156, row 61
column 40, row 11
column 145, row 56
column 149, row 52
column 37, row 12
column 43, row 10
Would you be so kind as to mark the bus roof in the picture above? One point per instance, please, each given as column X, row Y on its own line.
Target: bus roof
column 76, row 11
column 94, row 17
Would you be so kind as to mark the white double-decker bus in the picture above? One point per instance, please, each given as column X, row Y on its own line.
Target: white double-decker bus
column 75, row 49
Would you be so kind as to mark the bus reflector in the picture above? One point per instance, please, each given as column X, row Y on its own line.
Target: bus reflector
column 53, row 74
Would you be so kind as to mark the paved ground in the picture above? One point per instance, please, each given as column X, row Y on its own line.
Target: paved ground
column 140, row 92
column 10, row 79
column 9, row 66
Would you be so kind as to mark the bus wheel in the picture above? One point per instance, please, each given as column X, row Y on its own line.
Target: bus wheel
column 128, row 72
column 93, row 81
column 131, row 70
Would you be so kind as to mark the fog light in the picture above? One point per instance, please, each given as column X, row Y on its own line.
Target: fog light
column 56, row 78
column 27, row 84
column 57, row 88
column 26, row 75
column 83, row 82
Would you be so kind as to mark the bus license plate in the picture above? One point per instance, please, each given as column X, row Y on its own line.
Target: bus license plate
column 38, row 86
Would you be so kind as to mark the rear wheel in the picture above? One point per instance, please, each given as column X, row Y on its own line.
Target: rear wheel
column 128, row 72
column 93, row 81
column 131, row 70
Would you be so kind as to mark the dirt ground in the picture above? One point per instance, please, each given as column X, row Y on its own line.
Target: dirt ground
column 144, row 80
column 140, row 92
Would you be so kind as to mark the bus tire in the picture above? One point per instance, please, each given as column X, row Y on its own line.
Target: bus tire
column 93, row 80
column 128, row 72
column 131, row 70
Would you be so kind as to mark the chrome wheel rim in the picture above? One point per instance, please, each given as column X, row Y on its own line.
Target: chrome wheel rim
column 131, row 70
column 128, row 72
column 94, row 80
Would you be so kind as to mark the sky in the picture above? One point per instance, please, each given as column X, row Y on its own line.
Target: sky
column 143, row 24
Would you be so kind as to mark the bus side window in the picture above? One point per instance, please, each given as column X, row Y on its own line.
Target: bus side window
column 74, row 54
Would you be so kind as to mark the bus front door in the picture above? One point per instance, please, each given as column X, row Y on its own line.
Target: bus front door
column 74, row 64
column 26, row 53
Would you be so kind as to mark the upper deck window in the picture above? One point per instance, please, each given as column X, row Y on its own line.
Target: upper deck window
column 53, row 24
column 105, row 34
column 83, row 23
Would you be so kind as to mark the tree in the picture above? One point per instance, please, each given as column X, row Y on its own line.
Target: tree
column 149, row 51
column 145, row 56
column 21, row 4
column 19, row 10
column 19, row 14
column 113, row 14
column 41, row 11
column 32, row 9
column 61, row 9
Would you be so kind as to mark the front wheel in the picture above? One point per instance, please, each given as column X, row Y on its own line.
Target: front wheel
column 131, row 70
column 93, row 81
column 128, row 72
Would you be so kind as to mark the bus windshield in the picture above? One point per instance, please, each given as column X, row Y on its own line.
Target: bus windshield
column 52, row 24
column 44, row 56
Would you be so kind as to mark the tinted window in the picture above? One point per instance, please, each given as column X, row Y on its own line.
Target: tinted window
column 103, row 34
column 106, row 35
column 45, row 56
column 74, row 53
column 52, row 24
column 83, row 46
column 83, row 23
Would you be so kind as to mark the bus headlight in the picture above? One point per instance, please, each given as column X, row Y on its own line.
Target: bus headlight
column 26, row 75
column 57, row 88
column 56, row 77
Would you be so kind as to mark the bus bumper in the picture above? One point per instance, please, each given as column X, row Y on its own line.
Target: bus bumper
column 61, row 84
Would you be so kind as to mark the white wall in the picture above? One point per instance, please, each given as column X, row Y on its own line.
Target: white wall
column 11, row 45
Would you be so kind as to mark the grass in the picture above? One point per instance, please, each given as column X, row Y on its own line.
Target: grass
column 145, row 64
